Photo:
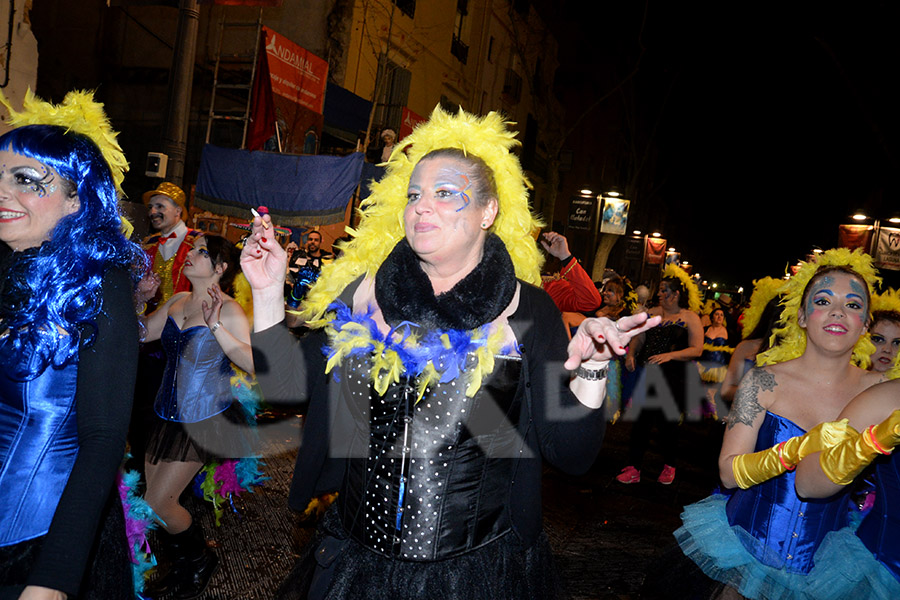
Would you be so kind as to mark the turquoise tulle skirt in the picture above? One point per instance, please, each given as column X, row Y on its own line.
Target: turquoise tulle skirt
column 844, row 568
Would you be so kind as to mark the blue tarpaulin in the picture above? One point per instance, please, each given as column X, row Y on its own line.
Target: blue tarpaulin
column 298, row 190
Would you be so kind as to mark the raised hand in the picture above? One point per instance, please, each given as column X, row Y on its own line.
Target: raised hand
column 212, row 310
column 263, row 260
column 146, row 287
column 600, row 339
column 555, row 244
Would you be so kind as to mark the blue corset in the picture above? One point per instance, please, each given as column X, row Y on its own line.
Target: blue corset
column 880, row 530
column 784, row 531
column 719, row 356
column 196, row 384
column 38, row 448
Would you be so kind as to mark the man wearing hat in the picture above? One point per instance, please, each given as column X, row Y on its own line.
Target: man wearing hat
column 168, row 247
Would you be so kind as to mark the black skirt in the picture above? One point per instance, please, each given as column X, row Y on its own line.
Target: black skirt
column 334, row 566
column 226, row 435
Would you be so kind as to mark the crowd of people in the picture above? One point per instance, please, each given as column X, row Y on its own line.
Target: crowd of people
column 439, row 369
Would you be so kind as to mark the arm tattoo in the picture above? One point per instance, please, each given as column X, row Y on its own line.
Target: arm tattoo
column 746, row 403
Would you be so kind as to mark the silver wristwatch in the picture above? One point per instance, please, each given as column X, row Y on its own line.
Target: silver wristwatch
column 591, row 374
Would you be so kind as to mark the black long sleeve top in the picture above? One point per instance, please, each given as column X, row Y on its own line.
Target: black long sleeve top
column 106, row 375
column 554, row 424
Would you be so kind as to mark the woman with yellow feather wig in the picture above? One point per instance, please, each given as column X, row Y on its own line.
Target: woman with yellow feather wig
column 757, row 322
column 448, row 377
column 763, row 540
column 667, row 350
column 885, row 330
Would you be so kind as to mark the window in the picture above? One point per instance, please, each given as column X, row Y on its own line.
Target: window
column 512, row 86
column 449, row 106
column 394, row 96
column 539, row 75
column 407, row 7
column 458, row 48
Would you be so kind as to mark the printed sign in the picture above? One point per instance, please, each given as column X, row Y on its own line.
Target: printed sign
column 887, row 249
column 409, row 122
column 297, row 74
column 581, row 213
column 615, row 216
column 634, row 247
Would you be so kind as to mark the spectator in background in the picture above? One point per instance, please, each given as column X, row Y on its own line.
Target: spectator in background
column 571, row 288
column 885, row 330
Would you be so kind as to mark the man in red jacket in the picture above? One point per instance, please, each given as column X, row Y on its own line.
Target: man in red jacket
column 168, row 247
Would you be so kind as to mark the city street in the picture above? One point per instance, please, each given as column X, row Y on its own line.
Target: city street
column 605, row 534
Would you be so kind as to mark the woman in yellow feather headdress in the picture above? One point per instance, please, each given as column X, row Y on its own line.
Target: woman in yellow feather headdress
column 667, row 351
column 764, row 539
column 442, row 356
column 68, row 352
column 885, row 331
column 757, row 322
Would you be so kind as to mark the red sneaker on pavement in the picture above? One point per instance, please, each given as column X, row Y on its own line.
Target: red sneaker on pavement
column 629, row 475
column 667, row 476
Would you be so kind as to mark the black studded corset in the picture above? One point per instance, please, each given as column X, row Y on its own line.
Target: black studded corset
column 436, row 477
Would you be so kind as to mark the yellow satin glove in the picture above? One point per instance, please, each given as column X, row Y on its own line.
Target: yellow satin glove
column 755, row 468
column 843, row 462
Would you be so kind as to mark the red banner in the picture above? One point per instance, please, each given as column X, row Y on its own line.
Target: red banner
column 410, row 120
column 297, row 74
column 262, row 106
column 656, row 251
column 854, row 236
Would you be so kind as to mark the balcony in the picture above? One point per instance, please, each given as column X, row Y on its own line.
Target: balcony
column 459, row 50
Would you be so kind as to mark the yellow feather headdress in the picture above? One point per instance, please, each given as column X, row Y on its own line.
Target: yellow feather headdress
column 763, row 291
column 793, row 338
column 693, row 292
column 889, row 302
column 78, row 112
column 381, row 215
column 886, row 301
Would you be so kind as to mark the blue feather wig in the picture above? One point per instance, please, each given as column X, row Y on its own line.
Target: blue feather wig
column 52, row 294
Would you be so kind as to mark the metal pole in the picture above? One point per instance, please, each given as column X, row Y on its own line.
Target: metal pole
column 181, row 81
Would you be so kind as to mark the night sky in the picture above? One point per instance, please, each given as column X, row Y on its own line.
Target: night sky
column 777, row 121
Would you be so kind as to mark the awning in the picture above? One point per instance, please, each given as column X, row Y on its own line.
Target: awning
column 297, row 190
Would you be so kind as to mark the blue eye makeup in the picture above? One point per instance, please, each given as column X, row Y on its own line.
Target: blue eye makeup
column 30, row 180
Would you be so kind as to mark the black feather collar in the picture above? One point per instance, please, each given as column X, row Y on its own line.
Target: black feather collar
column 404, row 293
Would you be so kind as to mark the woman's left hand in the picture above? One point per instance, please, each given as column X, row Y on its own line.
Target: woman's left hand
column 36, row 592
column 146, row 287
column 212, row 311
column 600, row 339
column 659, row 359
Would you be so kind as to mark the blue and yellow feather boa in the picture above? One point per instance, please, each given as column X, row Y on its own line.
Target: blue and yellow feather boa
column 435, row 356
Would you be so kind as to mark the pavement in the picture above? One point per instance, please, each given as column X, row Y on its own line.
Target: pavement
column 605, row 535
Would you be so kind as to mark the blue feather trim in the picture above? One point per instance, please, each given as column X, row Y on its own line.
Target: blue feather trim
column 446, row 350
